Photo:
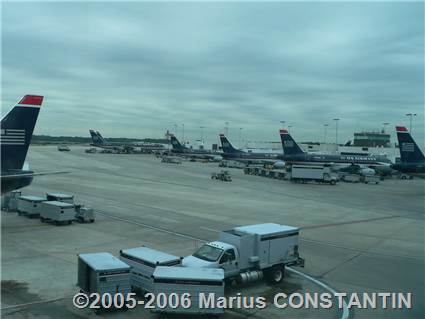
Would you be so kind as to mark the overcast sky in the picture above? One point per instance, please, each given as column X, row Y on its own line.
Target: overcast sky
column 136, row 69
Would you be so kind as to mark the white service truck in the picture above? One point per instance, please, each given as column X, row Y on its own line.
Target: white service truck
column 248, row 253
column 314, row 173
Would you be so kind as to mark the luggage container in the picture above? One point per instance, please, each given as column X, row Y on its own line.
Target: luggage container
column 60, row 197
column 9, row 201
column 57, row 212
column 30, row 205
column 103, row 273
column 143, row 261
column 173, row 282
column 371, row 179
column 172, row 160
column 351, row 178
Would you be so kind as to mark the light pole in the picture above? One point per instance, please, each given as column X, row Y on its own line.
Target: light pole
column 226, row 129
column 411, row 115
column 326, row 132
column 283, row 123
column 336, row 133
column 384, row 125
column 183, row 134
column 202, row 134
column 240, row 134
column 289, row 128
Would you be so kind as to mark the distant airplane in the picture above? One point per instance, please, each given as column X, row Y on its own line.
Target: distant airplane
column 412, row 160
column 99, row 141
column 17, row 127
column 231, row 153
column 294, row 154
column 179, row 149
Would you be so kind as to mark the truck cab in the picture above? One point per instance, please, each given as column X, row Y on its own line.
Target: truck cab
column 215, row 254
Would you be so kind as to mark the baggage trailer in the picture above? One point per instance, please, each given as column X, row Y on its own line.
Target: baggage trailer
column 351, row 178
column 248, row 253
column 60, row 197
column 371, row 179
column 315, row 173
column 171, row 159
column 143, row 262
column 30, row 205
column 57, row 212
column 222, row 175
column 103, row 273
column 172, row 283
column 9, row 202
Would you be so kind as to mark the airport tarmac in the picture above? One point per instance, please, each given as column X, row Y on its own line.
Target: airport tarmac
column 354, row 237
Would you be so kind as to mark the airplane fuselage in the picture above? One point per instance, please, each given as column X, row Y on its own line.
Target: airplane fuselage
column 10, row 180
column 368, row 160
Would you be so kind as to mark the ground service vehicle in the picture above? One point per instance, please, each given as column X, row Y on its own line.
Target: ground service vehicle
column 315, row 173
column 223, row 176
column 250, row 252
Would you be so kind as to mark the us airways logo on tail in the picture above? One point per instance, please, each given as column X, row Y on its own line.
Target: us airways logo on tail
column 407, row 147
column 288, row 143
column 12, row 137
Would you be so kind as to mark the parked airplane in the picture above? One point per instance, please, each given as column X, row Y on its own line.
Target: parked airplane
column 182, row 150
column 412, row 160
column 99, row 141
column 17, row 127
column 294, row 154
column 231, row 153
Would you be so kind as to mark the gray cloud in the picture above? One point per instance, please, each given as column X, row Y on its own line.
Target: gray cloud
column 135, row 69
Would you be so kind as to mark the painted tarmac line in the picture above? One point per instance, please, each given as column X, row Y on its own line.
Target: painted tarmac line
column 345, row 310
column 350, row 222
column 34, row 303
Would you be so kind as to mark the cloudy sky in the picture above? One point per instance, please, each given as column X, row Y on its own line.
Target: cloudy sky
column 136, row 69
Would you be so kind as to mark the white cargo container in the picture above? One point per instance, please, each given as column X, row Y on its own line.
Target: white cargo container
column 143, row 261
column 171, row 283
column 57, row 212
column 103, row 273
column 315, row 173
column 246, row 253
column 60, row 197
column 351, row 178
column 30, row 205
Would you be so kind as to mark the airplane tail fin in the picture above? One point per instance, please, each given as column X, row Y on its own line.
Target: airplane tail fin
column 17, row 127
column 409, row 150
column 290, row 147
column 100, row 137
column 226, row 146
column 95, row 138
column 176, row 144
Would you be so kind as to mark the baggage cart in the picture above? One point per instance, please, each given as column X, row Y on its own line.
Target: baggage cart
column 373, row 179
column 57, row 212
column 197, row 283
column 60, row 197
column 103, row 273
column 144, row 261
column 30, row 205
